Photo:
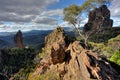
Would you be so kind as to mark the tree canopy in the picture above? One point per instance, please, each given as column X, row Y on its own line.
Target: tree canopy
column 73, row 15
column 73, row 10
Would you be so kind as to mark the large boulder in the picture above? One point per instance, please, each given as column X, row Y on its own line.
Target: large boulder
column 18, row 39
column 99, row 17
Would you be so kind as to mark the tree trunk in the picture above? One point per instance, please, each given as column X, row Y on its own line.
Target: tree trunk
column 86, row 43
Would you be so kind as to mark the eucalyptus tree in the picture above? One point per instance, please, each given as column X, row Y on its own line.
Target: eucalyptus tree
column 73, row 15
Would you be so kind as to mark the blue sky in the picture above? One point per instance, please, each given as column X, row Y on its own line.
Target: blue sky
column 65, row 3
column 29, row 15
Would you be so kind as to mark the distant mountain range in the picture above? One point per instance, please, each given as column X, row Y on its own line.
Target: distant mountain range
column 32, row 38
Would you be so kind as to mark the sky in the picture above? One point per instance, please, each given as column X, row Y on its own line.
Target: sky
column 29, row 15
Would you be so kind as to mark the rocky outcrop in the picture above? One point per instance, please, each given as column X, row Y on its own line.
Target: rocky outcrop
column 87, row 65
column 72, row 62
column 83, row 65
column 18, row 39
column 55, row 45
column 99, row 17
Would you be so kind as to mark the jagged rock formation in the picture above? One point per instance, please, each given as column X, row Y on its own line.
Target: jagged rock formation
column 73, row 62
column 99, row 17
column 18, row 39
column 87, row 65
column 55, row 45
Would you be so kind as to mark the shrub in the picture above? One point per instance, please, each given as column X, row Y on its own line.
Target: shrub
column 98, row 47
column 114, row 43
column 116, row 57
column 42, row 53
column 106, row 49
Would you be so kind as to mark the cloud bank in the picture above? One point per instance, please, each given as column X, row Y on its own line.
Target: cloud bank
column 115, row 12
column 34, row 15
column 22, row 12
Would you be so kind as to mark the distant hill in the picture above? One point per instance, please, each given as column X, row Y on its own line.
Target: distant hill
column 4, row 44
column 30, row 38
column 34, row 38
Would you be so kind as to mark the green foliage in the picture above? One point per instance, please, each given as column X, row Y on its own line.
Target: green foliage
column 116, row 57
column 73, row 15
column 114, row 43
column 17, row 60
column 101, row 48
column 106, row 49
column 105, row 35
column 49, row 75
column 74, row 10
column 97, row 46
column 41, row 54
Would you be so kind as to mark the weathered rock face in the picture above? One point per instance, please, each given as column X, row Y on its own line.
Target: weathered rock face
column 18, row 39
column 99, row 17
column 55, row 45
column 73, row 62
column 87, row 65
column 57, row 56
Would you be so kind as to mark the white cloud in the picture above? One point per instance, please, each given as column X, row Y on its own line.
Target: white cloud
column 115, row 12
column 22, row 10
column 65, row 24
column 45, row 20
column 115, row 8
column 116, row 21
column 84, row 21
column 56, row 12
column 15, row 28
column 27, row 15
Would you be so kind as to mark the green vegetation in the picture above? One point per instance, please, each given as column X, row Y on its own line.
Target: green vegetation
column 106, row 49
column 116, row 57
column 19, row 64
column 19, row 61
column 115, row 61
column 41, row 54
column 49, row 75
column 73, row 15
column 105, row 35
column 74, row 10
column 114, row 43
column 101, row 48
